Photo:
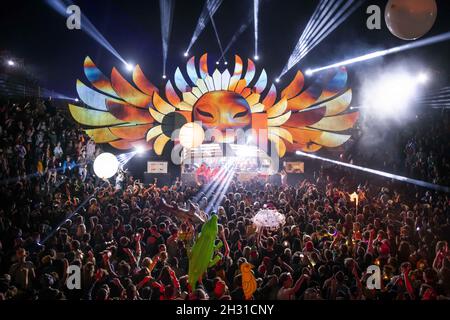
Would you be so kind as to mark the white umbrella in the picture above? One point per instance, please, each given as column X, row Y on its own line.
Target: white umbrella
column 266, row 218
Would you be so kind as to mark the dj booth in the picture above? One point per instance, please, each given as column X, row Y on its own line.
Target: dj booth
column 249, row 163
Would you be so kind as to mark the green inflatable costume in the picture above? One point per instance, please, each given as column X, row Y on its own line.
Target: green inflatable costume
column 201, row 255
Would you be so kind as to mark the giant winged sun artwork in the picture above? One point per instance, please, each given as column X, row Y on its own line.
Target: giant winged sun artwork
column 299, row 118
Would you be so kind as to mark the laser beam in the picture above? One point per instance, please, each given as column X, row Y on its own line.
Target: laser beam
column 381, row 53
column 328, row 15
column 337, row 20
column 214, row 203
column 238, row 33
column 209, row 9
column 255, row 24
column 166, row 8
column 216, row 33
column 60, row 6
column 379, row 173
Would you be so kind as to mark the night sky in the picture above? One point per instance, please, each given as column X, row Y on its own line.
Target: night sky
column 36, row 33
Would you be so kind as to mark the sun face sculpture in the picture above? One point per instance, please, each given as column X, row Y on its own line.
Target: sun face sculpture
column 127, row 116
column 222, row 110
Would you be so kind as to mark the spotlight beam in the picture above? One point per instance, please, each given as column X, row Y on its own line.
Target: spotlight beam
column 60, row 6
column 216, row 33
column 255, row 24
column 124, row 158
column 222, row 189
column 381, row 53
column 235, row 37
column 443, row 95
column 445, row 89
column 379, row 173
column 212, row 185
column 318, row 14
column 223, row 171
column 330, row 10
column 322, row 28
column 208, row 10
column 166, row 9
column 238, row 33
column 47, row 93
column 441, row 98
column 436, row 105
column 337, row 20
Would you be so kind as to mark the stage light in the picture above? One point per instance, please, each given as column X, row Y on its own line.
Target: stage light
column 106, row 165
column 139, row 149
column 76, row 100
column 129, row 67
column 186, row 54
column 309, row 72
column 164, row 76
column 226, row 62
column 11, row 63
column 377, row 172
column 217, row 62
column 277, row 80
column 422, row 78
column 256, row 57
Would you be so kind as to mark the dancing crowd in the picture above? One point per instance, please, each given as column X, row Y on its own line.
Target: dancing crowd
column 56, row 214
column 39, row 139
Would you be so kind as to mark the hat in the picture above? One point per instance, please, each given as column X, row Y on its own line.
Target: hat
column 47, row 259
column 124, row 241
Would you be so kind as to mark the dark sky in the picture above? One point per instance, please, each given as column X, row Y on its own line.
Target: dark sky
column 33, row 31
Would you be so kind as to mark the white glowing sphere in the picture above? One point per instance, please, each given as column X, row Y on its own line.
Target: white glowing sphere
column 129, row 67
column 410, row 19
column 106, row 165
column 191, row 135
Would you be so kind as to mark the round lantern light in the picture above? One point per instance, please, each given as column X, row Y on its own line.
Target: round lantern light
column 191, row 135
column 106, row 165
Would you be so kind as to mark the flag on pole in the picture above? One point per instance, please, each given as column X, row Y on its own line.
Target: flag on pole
column 354, row 197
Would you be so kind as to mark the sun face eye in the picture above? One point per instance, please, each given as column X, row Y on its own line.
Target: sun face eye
column 240, row 114
column 205, row 113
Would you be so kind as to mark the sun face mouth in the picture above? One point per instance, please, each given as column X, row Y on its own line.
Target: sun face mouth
column 223, row 111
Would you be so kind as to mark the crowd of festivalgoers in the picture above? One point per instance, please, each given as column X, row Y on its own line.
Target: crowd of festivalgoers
column 128, row 248
column 427, row 150
column 36, row 139
column 417, row 150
